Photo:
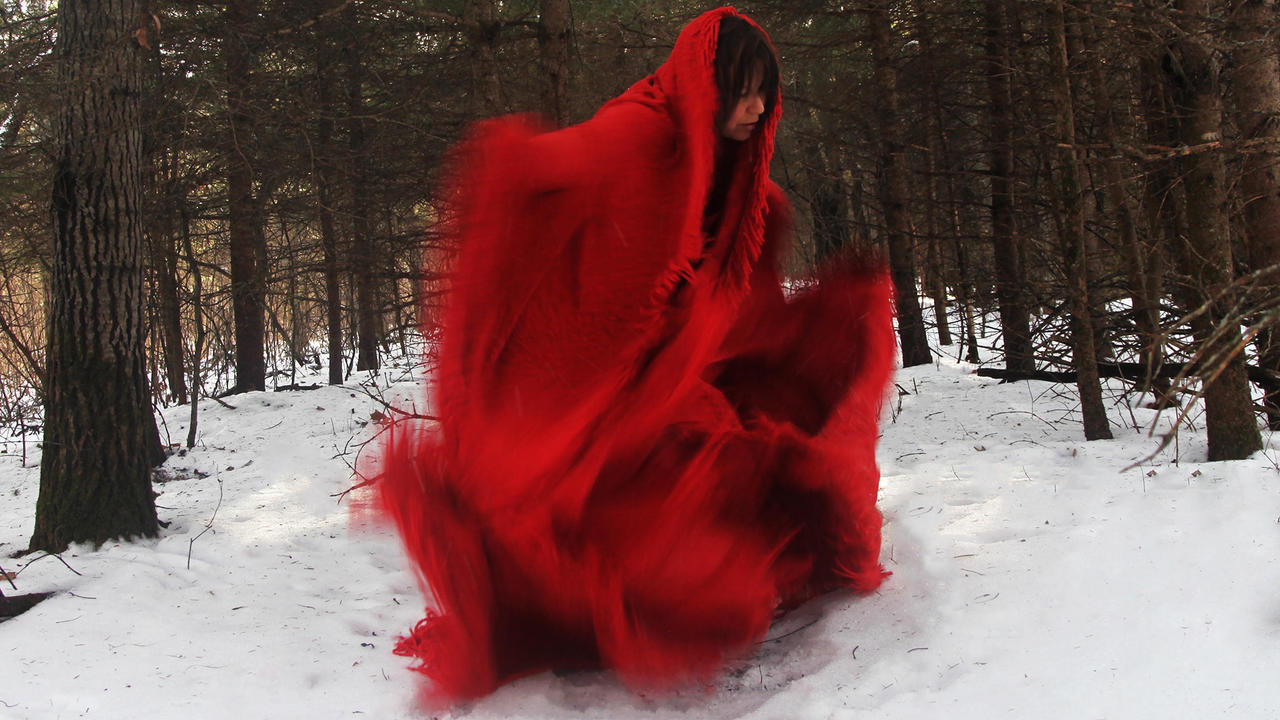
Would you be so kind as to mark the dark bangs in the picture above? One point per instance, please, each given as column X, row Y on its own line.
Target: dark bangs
column 741, row 48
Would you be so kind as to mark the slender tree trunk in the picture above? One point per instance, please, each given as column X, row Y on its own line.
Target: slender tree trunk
column 1162, row 207
column 1075, row 261
column 159, row 234
column 964, row 297
column 95, row 481
column 1011, row 281
column 1138, row 263
column 934, row 279
column 553, row 40
column 483, row 35
column 1193, row 73
column 1256, row 82
column 197, row 306
column 164, row 264
column 1095, row 263
column 325, row 182
column 248, row 294
column 363, row 255
column 893, row 191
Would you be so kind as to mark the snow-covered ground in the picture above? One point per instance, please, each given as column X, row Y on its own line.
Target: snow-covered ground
column 1034, row 577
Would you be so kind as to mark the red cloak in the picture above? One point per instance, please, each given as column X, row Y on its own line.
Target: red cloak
column 645, row 450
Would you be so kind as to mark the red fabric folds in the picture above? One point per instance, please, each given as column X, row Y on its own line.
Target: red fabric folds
column 645, row 450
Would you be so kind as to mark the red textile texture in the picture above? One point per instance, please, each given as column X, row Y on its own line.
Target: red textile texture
column 645, row 450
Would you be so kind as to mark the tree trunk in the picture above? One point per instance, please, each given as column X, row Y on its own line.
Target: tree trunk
column 325, row 183
column 164, row 266
column 1075, row 262
column 1256, row 81
column 363, row 257
column 248, row 291
column 1011, row 282
column 1162, row 205
column 935, row 282
column 95, row 481
column 1139, row 269
column 829, row 201
column 933, row 274
column 893, row 191
column 483, row 31
column 197, row 312
column 1193, row 74
column 160, row 236
column 553, row 40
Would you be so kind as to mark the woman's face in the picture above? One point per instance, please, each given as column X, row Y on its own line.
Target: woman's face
column 745, row 115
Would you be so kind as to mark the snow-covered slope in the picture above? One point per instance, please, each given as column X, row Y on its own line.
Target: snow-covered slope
column 1034, row 577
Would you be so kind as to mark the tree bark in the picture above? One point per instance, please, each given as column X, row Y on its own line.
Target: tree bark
column 935, row 279
column 163, row 257
column 1193, row 73
column 326, row 180
column 1075, row 260
column 1115, row 170
column 363, row 256
column 553, row 40
column 160, row 235
column 1256, row 82
column 935, row 283
column 1015, row 316
column 893, row 191
column 483, row 35
column 95, row 481
column 248, row 286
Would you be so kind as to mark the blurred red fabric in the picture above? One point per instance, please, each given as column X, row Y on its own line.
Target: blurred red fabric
column 645, row 448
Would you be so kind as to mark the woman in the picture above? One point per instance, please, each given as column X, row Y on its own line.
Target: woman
column 645, row 451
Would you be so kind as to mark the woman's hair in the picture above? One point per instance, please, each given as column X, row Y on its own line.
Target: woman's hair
column 741, row 50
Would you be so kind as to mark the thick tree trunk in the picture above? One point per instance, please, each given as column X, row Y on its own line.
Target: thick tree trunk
column 95, row 479
column 553, row 40
column 248, row 291
column 1193, row 74
column 1256, row 81
column 893, row 191
column 1075, row 260
column 1011, row 282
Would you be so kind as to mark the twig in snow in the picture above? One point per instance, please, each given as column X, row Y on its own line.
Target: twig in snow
column 41, row 557
column 1023, row 412
column 221, row 402
column 207, row 526
column 793, row 632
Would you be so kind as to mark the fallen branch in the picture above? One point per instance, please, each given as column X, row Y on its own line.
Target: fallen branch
column 10, row 578
column 1124, row 370
column 18, row 604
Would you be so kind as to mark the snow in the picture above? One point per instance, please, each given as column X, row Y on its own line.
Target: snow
column 1035, row 575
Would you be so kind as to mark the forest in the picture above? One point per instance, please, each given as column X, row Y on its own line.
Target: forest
column 1098, row 175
